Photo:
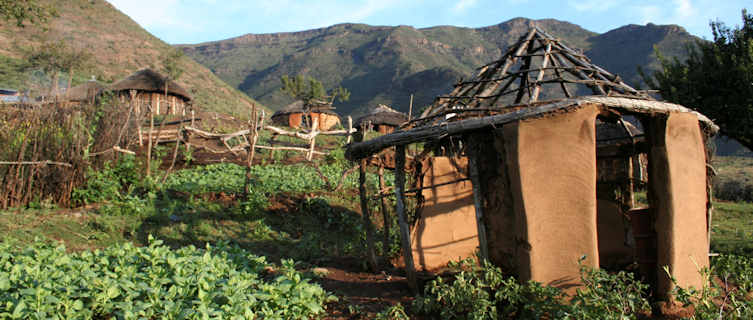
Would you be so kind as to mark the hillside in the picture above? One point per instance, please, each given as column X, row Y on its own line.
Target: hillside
column 119, row 47
column 383, row 64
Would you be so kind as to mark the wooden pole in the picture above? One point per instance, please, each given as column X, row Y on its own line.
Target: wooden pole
column 477, row 203
column 312, row 140
column 385, row 216
column 249, row 161
column 350, row 129
column 410, row 269
column 149, row 143
column 366, row 216
column 410, row 107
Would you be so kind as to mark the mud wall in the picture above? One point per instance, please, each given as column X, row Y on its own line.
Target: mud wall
column 677, row 192
column 552, row 167
column 446, row 230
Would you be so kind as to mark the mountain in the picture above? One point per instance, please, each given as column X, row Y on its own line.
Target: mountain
column 386, row 64
column 119, row 46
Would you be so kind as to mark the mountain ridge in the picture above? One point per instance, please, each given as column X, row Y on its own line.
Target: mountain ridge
column 386, row 64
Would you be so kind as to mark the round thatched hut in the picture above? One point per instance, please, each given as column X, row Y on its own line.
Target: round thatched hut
column 382, row 119
column 298, row 114
column 146, row 88
column 551, row 183
column 84, row 93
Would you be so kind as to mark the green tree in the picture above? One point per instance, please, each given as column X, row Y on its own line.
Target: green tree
column 309, row 89
column 716, row 79
column 25, row 10
column 54, row 57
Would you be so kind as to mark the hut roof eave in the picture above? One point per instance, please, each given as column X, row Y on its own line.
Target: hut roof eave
column 366, row 148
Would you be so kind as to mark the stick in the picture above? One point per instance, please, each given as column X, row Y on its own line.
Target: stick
column 385, row 217
column 37, row 163
column 252, row 129
column 350, row 129
column 149, row 145
column 410, row 107
column 366, row 216
column 404, row 230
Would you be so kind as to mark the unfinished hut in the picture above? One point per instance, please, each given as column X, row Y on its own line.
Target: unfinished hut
column 84, row 93
column 382, row 119
column 547, row 176
column 299, row 114
column 146, row 89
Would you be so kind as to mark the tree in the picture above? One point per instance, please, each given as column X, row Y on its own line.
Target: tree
column 23, row 10
column 309, row 89
column 716, row 79
column 54, row 57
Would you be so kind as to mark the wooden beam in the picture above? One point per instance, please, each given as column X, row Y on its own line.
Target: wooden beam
column 477, row 203
column 410, row 269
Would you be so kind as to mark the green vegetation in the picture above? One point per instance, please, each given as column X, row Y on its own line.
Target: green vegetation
column 25, row 10
column 127, row 282
column 486, row 293
column 309, row 89
column 715, row 79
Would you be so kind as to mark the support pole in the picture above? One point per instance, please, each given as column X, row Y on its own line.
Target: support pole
column 385, row 216
column 477, row 203
column 410, row 270
column 366, row 215
column 350, row 129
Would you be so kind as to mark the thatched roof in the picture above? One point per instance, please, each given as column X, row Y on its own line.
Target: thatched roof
column 538, row 67
column 509, row 89
column 299, row 107
column 151, row 81
column 382, row 115
column 83, row 92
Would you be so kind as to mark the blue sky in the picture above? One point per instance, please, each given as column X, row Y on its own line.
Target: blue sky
column 194, row 21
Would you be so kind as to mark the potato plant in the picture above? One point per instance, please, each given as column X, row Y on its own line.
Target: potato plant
column 154, row 282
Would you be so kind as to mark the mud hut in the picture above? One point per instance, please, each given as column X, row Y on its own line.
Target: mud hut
column 146, row 88
column 83, row 93
column 298, row 114
column 382, row 119
column 548, row 174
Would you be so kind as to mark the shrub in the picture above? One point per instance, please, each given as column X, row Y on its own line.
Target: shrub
column 154, row 282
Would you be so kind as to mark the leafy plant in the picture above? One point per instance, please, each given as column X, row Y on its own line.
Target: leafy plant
column 128, row 282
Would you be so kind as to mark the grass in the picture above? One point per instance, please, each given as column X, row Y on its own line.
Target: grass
column 732, row 228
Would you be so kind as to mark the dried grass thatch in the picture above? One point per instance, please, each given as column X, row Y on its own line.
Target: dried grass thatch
column 151, row 81
column 382, row 115
column 299, row 107
column 86, row 91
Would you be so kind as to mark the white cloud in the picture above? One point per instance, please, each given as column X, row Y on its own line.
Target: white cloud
column 593, row 5
column 155, row 14
column 463, row 5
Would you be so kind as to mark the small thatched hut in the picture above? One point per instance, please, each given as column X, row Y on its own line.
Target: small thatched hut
column 83, row 93
column 298, row 114
column 382, row 119
column 548, row 182
column 148, row 89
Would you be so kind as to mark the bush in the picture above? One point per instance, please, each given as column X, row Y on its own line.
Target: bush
column 485, row 293
column 154, row 282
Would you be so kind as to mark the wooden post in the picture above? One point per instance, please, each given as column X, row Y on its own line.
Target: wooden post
column 149, row 143
column 312, row 142
column 350, row 129
column 252, row 122
column 366, row 216
column 410, row 107
column 477, row 203
column 385, row 216
column 410, row 270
